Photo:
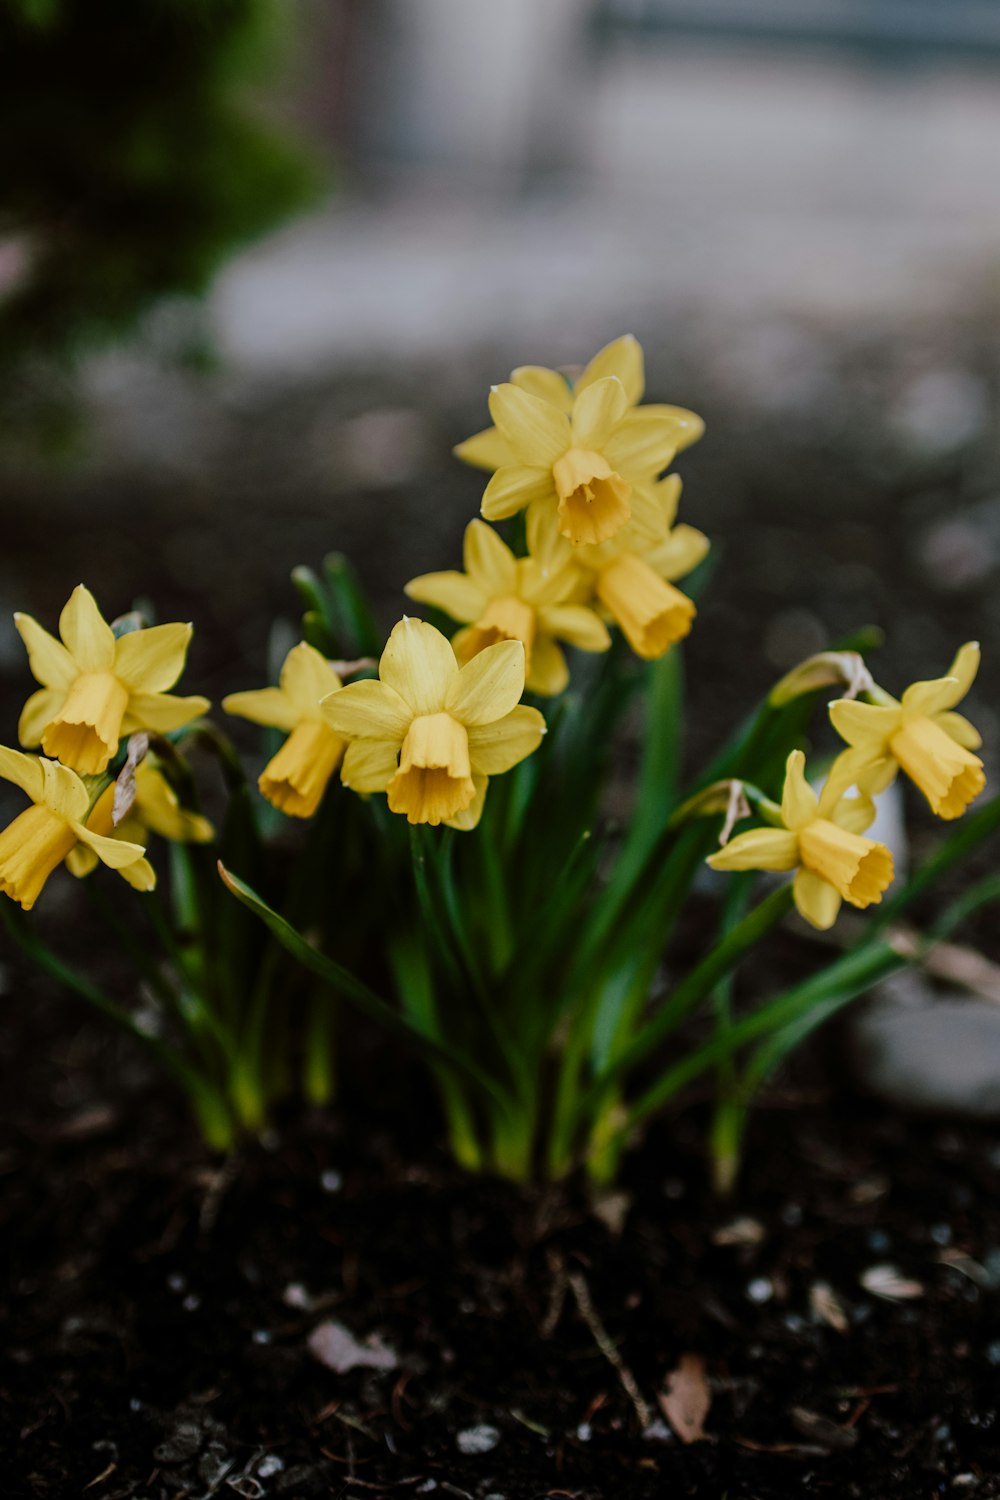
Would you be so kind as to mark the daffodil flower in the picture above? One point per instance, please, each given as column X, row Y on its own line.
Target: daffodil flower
column 921, row 734
column 501, row 597
column 587, row 452
column 630, row 576
column 156, row 809
column 96, row 688
column 43, row 835
column 431, row 733
column 295, row 779
column 820, row 838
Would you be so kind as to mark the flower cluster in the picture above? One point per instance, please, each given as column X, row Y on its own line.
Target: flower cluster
column 99, row 686
column 821, row 837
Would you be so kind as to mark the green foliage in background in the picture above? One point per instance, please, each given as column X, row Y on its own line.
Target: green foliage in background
column 131, row 163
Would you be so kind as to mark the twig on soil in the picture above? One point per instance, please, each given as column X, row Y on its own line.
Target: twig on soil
column 557, row 1300
column 220, row 1183
column 581, row 1293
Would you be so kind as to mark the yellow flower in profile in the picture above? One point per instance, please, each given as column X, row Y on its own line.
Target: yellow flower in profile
column 43, row 835
column 431, row 733
column 156, row 809
column 821, row 840
column 631, row 577
column 587, row 453
column 501, row 597
column 97, row 688
column 295, row 779
column 921, row 734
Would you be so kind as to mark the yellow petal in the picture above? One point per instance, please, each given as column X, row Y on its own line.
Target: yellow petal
column 24, row 771
column 159, row 808
column 30, row 849
column 140, row 875
column 652, row 614
column 496, row 747
column 87, row 634
column 39, row 711
column 489, row 561
column 50, row 662
column 623, row 359
column 63, row 791
column 306, row 678
column 84, row 734
column 514, row 487
column 593, row 499
column 949, row 776
column 597, row 410
column 451, row 591
column 162, row 712
column 644, row 441
column 295, row 779
column 864, row 724
column 548, row 385
column 853, row 813
column 546, row 544
column 368, row 710
column 577, row 625
column 488, row 686
column 548, row 673
column 798, row 800
column 419, row 664
column 955, row 726
column 488, row 449
column 684, row 548
column 150, row 661
column 760, row 849
column 80, row 861
column 269, row 706
column 944, row 692
column 115, row 853
column 434, row 779
column 369, row 765
column 536, row 430
column 466, row 820
column 815, row 900
column 858, row 868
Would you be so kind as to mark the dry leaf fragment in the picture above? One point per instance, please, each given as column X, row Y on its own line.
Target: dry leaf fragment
column 890, row 1283
column 336, row 1347
column 743, row 1231
column 826, row 1307
column 686, row 1398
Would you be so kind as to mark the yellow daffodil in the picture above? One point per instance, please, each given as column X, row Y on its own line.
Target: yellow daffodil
column 295, row 779
column 506, row 598
column 156, row 809
column 43, row 835
column 921, row 734
column 821, row 840
column 631, row 577
column 431, row 733
column 97, row 688
column 585, row 452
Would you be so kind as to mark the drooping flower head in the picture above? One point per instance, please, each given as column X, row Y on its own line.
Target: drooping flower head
column 295, row 779
column 156, row 809
column 431, row 733
column 97, row 688
column 42, row 836
column 501, row 597
column 820, row 838
column 922, row 734
column 586, row 452
column 630, row 576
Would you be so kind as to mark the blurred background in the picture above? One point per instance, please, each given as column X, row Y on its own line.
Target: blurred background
column 260, row 261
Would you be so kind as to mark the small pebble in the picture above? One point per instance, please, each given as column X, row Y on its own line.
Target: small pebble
column 583, row 1432
column 657, row 1432
column 791, row 1215
column 331, row 1182
column 176, row 1282
column 760, row 1290
column 428, row 1487
column 269, row 1465
column 878, row 1241
column 191, row 1302
column 993, row 1352
column 480, row 1439
column 941, row 1234
column 261, row 1336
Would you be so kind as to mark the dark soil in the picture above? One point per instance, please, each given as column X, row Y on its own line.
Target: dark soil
column 155, row 1343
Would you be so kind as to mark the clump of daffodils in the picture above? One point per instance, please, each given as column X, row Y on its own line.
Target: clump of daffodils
column 520, row 934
